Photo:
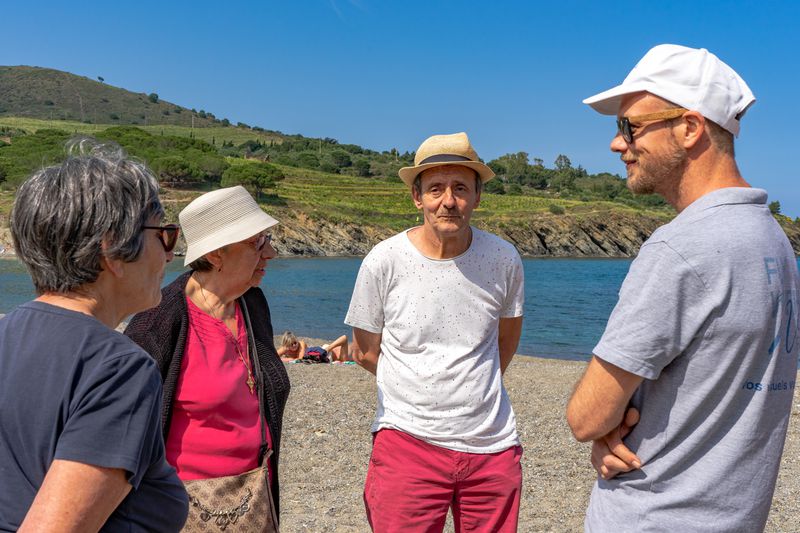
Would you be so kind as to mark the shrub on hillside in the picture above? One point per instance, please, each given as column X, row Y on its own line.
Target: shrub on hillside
column 307, row 160
column 341, row 159
column 494, row 186
column 556, row 209
column 362, row 167
column 31, row 152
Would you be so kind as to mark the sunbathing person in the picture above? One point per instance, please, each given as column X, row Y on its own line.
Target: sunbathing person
column 291, row 347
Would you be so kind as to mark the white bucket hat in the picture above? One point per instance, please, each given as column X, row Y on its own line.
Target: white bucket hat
column 440, row 150
column 692, row 78
column 218, row 218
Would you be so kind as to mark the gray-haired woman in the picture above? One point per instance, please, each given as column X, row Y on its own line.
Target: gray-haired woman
column 80, row 440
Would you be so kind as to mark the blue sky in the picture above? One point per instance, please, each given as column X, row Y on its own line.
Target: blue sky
column 388, row 74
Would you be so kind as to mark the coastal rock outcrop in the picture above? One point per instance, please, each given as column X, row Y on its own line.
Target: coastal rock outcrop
column 603, row 234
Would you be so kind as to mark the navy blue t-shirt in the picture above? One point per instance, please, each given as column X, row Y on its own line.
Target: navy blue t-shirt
column 73, row 389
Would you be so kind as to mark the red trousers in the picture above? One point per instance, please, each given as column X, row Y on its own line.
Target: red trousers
column 411, row 484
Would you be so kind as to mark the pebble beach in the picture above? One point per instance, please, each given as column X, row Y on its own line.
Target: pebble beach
column 326, row 446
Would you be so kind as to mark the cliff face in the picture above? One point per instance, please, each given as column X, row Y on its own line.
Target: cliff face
column 607, row 235
column 617, row 234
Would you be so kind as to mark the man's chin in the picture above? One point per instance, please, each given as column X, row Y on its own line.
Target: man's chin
column 638, row 186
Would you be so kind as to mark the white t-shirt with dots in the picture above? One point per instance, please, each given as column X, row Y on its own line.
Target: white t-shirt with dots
column 439, row 370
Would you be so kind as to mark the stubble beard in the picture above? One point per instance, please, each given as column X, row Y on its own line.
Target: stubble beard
column 659, row 170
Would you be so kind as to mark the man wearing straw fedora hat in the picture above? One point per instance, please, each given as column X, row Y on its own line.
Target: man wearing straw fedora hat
column 437, row 311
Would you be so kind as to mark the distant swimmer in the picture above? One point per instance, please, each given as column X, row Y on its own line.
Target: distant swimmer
column 437, row 311
column 688, row 395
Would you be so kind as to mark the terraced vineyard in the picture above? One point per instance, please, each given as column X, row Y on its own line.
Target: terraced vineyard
column 215, row 134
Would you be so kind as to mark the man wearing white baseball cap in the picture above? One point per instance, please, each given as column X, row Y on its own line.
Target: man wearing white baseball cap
column 688, row 394
column 437, row 312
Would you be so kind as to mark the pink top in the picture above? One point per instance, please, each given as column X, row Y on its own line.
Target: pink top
column 215, row 428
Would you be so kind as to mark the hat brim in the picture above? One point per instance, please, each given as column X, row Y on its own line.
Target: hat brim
column 255, row 224
column 409, row 174
column 608, row 102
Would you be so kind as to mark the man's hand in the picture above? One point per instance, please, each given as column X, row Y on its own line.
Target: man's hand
column 609, row 455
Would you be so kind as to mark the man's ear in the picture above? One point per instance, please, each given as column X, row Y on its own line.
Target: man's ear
column 417, row 197
column 695, row 126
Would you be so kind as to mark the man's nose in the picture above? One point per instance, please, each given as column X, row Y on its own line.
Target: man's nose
column 449, row 199
column 618, row 144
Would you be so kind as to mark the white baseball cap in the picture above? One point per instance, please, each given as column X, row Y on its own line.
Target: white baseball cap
column 219, row 218
column 690, row 77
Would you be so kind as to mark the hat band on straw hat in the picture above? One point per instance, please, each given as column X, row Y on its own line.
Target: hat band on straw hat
column 444, row 158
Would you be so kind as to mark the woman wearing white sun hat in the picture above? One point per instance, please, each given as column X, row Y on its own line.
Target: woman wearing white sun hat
column 225, row 388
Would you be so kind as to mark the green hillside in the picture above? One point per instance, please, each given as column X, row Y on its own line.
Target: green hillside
column 47, row 94
column 216, row 134
column 35, row 99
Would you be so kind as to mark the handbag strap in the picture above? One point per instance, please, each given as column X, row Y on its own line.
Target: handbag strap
column 251, row 341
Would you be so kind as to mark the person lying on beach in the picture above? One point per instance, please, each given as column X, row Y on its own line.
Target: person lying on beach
column 291, row 347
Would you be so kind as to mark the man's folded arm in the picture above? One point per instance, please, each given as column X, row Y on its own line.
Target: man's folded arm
column 600, row 399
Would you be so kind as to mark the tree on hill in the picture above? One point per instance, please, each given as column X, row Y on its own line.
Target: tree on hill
column 254, row 176
column 153, row 97
column 175, row 170
column 362, row 167
column 341, row 159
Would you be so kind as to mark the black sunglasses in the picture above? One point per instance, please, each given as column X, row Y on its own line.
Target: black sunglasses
column 624, row 123
column 168, row 235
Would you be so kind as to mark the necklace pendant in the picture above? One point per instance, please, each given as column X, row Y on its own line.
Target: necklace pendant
column 252, row 384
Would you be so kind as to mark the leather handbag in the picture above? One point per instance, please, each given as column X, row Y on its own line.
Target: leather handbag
column 241, row 503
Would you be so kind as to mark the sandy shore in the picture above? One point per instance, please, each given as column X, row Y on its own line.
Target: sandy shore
column 326, row 446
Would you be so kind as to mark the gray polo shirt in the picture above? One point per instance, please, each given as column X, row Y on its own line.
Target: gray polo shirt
column 708, row 317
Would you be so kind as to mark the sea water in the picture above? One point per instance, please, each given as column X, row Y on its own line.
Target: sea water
column 567, row 301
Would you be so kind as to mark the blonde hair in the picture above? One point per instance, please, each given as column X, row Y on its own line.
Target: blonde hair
column 288, row 338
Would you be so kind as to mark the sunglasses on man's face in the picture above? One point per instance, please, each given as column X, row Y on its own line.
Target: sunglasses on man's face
column 625, row 124
column 168, row 235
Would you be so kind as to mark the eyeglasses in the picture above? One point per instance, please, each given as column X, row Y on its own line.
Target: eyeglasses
column 624, row 123
column 262, row 240
column 168, row 235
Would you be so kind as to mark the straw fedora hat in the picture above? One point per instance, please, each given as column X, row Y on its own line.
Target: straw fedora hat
column 219, row 218
column 439, row 150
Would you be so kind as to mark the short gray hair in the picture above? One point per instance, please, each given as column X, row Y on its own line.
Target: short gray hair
column 63, row 214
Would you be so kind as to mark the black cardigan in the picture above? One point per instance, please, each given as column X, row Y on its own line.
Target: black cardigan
column 161, row 331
